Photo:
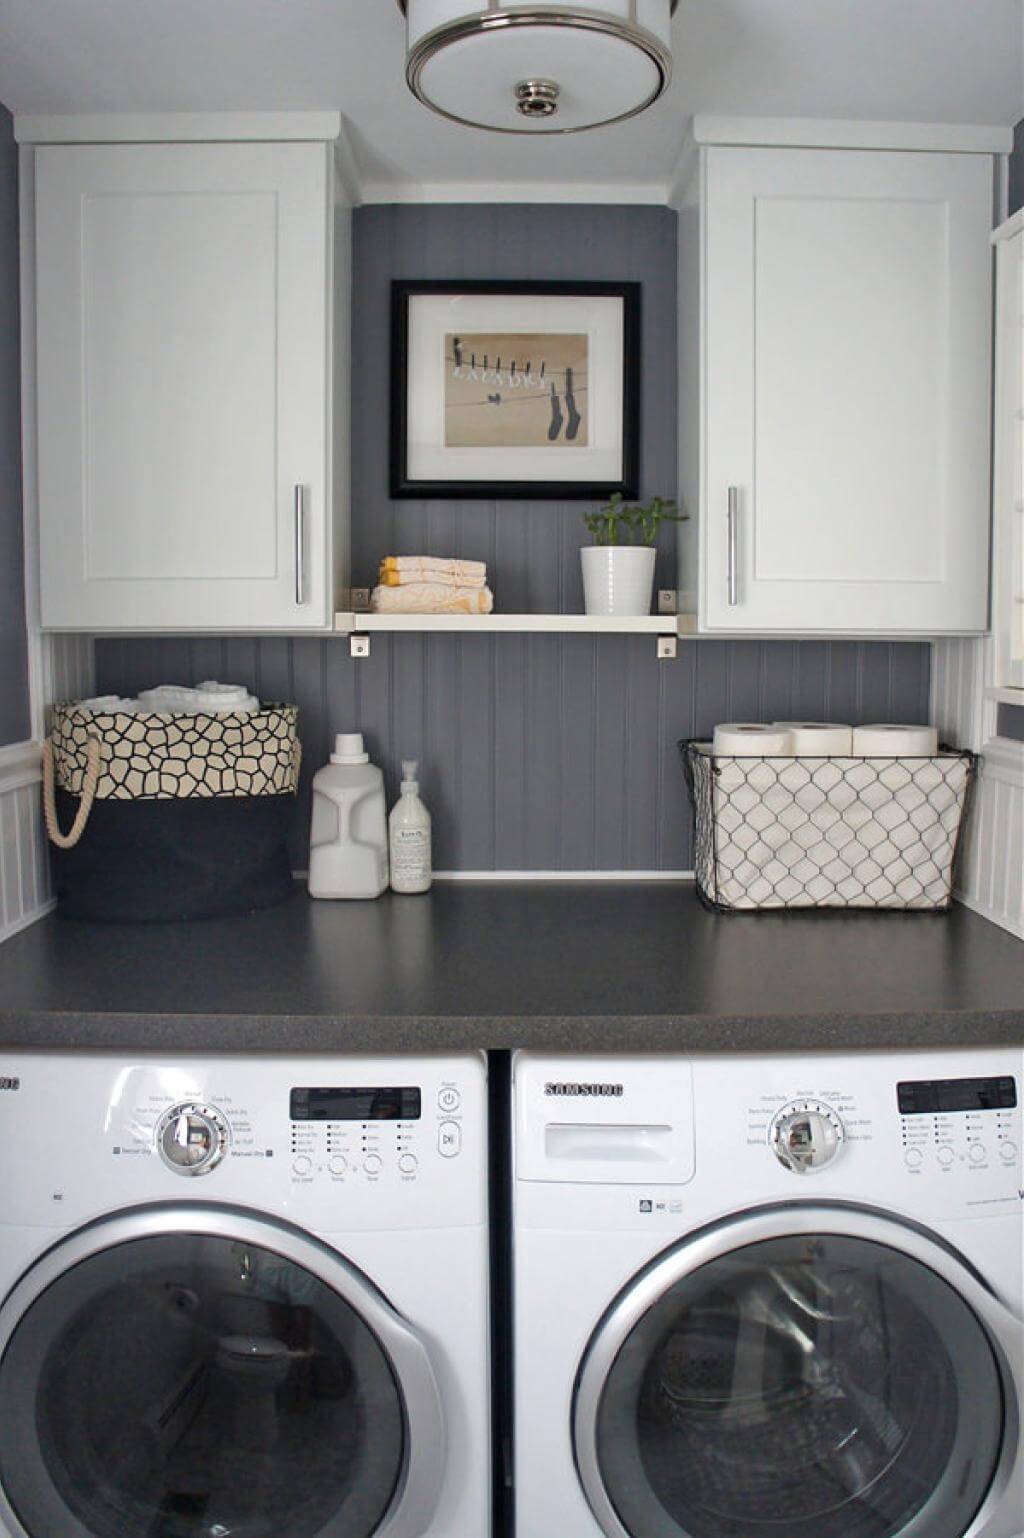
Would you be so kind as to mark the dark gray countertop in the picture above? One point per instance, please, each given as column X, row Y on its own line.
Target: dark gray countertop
column 599, row 966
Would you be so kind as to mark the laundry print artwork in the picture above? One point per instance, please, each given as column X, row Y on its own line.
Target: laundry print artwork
column 515, row 390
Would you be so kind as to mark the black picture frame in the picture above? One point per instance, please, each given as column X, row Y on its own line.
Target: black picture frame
column 404, row 484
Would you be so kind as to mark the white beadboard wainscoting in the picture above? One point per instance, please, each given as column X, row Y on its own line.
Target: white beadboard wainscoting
column 992, row 871
column 61, row 668
column 25, row 893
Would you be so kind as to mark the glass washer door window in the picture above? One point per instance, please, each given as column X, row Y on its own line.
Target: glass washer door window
column 807, row 1386
column 193, row 1385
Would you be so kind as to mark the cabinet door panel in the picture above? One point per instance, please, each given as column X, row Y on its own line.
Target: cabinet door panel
column 847, row 389
column 182, row 342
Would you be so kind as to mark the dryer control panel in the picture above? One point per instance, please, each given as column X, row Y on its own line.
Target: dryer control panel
column 373, row 1131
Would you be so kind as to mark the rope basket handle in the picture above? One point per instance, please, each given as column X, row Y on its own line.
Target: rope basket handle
column 93, row 755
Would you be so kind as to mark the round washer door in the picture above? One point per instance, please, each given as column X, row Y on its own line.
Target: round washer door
column 807, row 1372
column 200, row 1373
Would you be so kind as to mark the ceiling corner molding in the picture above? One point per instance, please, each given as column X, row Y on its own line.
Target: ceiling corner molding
column 346, row 169
column 634, row 193
column 175, row 127
column 684, row 170
column 842, row 133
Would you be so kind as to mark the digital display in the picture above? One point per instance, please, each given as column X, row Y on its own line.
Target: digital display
column 374, row 1104
column 929, row 1097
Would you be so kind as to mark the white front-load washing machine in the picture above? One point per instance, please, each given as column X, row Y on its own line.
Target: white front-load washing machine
column 769, row 1298
column 243, row 1298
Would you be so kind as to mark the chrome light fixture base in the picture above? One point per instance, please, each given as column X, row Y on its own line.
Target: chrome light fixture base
column 537, row 98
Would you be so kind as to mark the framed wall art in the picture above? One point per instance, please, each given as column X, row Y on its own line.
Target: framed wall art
column 515, row 389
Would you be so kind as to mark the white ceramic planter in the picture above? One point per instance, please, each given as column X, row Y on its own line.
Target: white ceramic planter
column 618, row 579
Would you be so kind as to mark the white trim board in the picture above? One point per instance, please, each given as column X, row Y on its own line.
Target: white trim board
column 1009, row 227
column 19, row 765
column 516, row 192
column 994, row 915
column 564, row 875
column 849, row 134
column 551, row 875
column 176, row 127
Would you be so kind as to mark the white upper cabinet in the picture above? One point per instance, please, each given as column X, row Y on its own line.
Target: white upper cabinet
column 844, row 390
column 183, row 326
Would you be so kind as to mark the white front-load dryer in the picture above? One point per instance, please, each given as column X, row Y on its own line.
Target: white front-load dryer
column 243, row 1298
column 769, row 1298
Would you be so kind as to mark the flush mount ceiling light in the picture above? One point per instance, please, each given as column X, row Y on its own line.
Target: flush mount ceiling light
column 541, row 67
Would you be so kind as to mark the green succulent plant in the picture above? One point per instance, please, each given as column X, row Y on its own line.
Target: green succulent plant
column 639, row 523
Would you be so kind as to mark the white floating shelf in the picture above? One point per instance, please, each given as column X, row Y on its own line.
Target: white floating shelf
column 552, row 624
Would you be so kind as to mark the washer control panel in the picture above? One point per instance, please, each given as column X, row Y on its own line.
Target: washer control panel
column 949, row 1125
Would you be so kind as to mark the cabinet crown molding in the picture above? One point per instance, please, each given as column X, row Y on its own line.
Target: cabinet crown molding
column 840, row 133
column 1009, row 228
column 175, row 127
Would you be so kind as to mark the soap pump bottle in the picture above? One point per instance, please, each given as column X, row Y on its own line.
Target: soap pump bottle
column 409, row 829
column 348, row 845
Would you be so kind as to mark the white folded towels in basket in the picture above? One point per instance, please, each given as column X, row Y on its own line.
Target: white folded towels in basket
column 206, row 699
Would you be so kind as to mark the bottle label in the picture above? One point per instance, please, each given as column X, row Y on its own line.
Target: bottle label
column 410, row 853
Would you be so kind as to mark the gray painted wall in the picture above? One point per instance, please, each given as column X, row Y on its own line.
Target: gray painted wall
column 540, row 752
column 537, row 752
column 1010, row 722
column 1017, row 170
column 14, row 710
column 1011, row 719
column 531, row 548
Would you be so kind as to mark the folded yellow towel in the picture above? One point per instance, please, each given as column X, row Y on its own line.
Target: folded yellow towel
column 431, row 598
column 471, row 573
column 423, row 574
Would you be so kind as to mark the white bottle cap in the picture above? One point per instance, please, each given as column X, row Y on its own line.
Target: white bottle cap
column 348, row 749
column 410, row 773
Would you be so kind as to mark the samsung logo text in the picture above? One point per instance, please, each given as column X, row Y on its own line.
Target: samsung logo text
column 578, row 1090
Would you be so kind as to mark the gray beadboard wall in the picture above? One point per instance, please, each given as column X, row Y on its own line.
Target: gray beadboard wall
column 540, row 752
column 14, row 708
column 531, row 548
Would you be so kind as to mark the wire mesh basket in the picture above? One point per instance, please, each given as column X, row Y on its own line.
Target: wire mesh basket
column 800, row 832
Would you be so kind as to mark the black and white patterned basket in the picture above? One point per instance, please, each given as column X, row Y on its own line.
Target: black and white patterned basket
column 801, row 832
column 156, row 816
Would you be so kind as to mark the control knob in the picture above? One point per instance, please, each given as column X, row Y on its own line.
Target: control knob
column 806, row 1135
column 191, row 1138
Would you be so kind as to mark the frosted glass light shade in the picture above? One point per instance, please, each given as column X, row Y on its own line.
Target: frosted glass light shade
column 538, row 67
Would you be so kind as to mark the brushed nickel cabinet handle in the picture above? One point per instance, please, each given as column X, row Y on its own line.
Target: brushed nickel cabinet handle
column 300, row 546
column 733, row 574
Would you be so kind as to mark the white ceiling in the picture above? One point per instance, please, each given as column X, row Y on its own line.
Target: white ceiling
column 951, row 61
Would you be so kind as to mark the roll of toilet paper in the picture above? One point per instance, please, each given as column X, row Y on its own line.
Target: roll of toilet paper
column 818, row 739
column 751, row 739
column 895, row 741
